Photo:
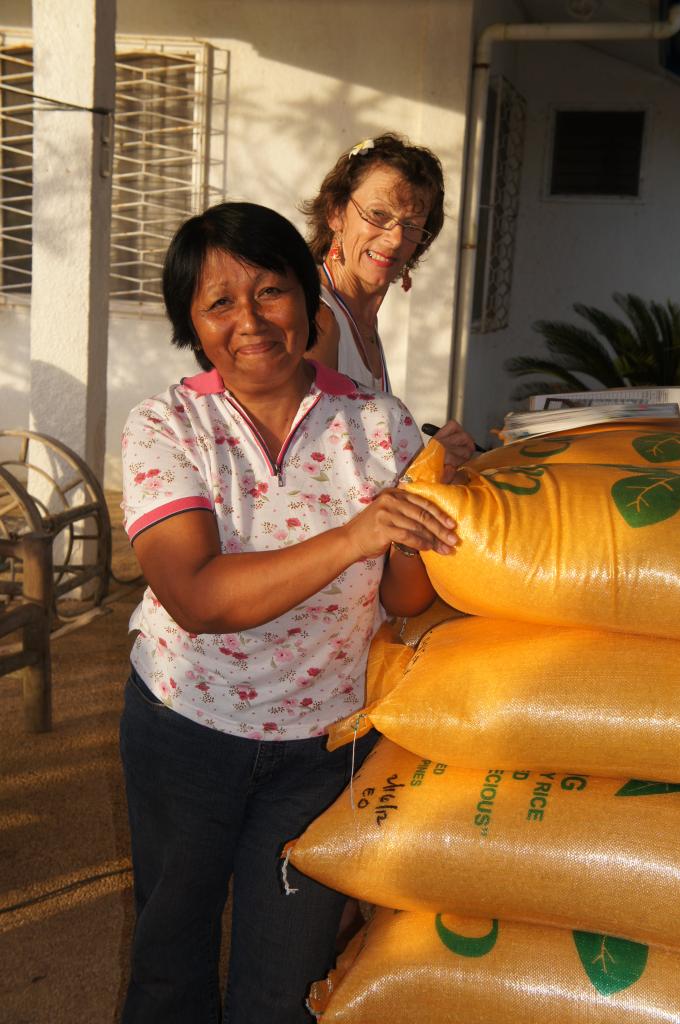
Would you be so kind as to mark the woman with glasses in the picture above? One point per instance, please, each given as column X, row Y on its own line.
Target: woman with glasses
column 377, row 212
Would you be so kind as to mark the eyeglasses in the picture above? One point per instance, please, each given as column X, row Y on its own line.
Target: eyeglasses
column 386, row 221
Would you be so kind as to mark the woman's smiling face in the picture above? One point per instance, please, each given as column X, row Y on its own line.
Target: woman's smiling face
column 251, row 322
column 376, row 255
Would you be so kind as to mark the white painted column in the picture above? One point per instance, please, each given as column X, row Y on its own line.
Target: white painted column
column 74, row 46
column 447, row 48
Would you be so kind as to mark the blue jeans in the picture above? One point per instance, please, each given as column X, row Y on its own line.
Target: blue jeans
column 204, row 806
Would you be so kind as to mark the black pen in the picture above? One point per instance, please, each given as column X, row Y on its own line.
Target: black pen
column 429, row 428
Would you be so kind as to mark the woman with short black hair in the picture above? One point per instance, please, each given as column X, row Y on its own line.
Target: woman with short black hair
column 258, row 235
column 261, row 499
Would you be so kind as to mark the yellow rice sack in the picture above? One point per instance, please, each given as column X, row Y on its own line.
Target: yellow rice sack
column 562, row 544
column 648, row 442
column 443, row 969
column 392, row 648
column 490, row 691
column 387, row 660
column 598, row 855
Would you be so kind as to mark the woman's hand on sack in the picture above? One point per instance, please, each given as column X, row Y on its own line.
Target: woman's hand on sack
column 398, row 516
column 458, row 448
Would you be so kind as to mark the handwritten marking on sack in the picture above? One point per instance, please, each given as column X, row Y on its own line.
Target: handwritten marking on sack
column 611, row 964
column 466, row 945
column 388, row 794
column 386, row 800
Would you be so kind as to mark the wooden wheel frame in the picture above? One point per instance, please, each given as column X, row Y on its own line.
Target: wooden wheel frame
column 71, row 508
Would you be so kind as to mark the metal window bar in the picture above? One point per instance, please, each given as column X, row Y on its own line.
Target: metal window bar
column 506, row 119
column 162, row 160
column 16, row 169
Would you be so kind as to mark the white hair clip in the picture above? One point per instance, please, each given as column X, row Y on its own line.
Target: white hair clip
column 361, row 148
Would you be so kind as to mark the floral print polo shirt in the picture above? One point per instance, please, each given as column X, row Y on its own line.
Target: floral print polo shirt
column 194, row 447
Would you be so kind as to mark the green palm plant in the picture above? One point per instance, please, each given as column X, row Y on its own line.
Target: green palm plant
column 644, row 352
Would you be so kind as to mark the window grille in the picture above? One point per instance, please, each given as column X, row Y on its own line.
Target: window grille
column 16, row 169
column 166, row 160
column 499, row 204
column 597, row 152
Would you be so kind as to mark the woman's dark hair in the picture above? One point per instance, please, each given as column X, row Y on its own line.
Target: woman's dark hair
column 248, row 232
column 419, row 166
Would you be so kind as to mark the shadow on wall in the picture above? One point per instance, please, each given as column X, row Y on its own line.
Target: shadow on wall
column 141, row 360
column 318, row 126
column 315, row 127
column 343, row 71
column 334, row 38
column 14, row 367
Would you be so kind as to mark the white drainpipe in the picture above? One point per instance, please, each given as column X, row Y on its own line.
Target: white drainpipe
column 500, row 33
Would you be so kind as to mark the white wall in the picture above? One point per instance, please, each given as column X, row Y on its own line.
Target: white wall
column 582, row 250
column 308, row 78
column 15, row 334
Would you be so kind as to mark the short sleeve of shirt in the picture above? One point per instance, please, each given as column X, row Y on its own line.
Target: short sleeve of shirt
column 163, row 472
column 390, row 432
column 407, row 440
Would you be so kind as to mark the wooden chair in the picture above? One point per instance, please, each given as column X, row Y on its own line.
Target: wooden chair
column 30, row 613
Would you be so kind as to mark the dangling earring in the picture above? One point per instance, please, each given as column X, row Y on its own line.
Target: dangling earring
column 335, row 252
column 406, row 281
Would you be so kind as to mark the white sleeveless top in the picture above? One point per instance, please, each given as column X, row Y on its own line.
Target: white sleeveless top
column 349, row 358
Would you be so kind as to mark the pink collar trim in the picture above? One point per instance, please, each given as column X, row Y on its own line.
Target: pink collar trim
column 330, row 381
column 207, row 383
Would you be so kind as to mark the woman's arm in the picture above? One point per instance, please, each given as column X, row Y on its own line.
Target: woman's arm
column 405, row 588
column 328, row 336
column 206, row 591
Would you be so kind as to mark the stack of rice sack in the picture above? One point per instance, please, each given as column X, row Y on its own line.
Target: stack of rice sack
column 520, row 818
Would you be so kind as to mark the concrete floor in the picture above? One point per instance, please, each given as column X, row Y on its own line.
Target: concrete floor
column 66, row 914
column 66, row 908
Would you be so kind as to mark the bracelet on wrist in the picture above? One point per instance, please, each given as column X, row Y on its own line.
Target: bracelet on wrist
column 406, row 551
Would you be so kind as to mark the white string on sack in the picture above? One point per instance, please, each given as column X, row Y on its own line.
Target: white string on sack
column 288, row 889
column 355, row 729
